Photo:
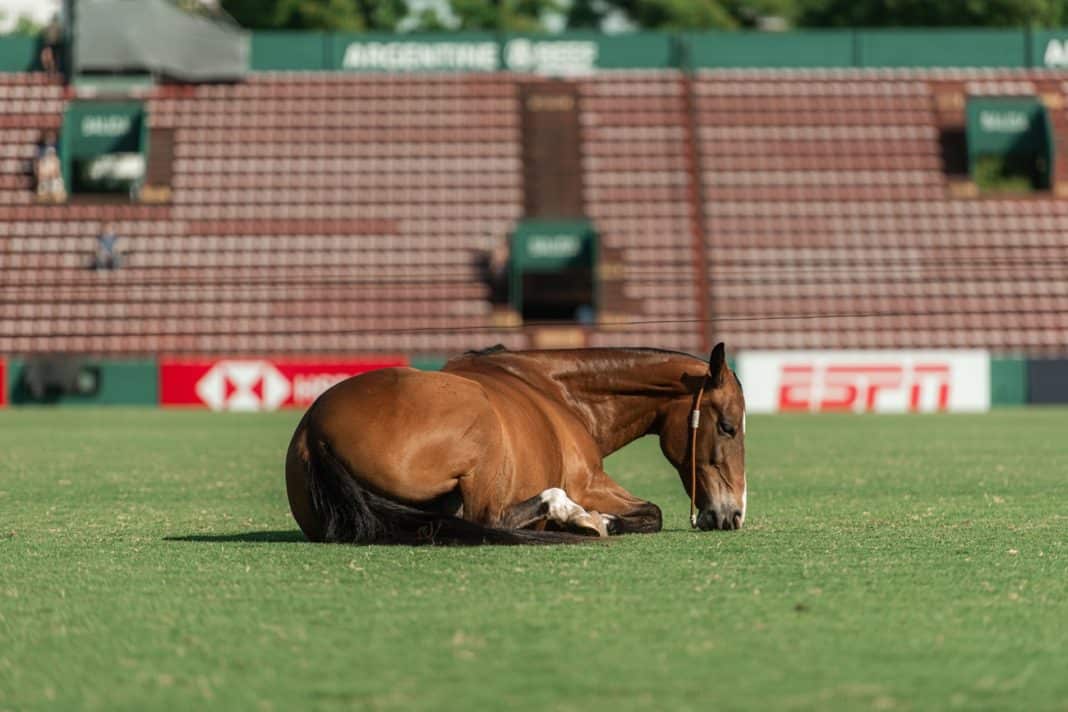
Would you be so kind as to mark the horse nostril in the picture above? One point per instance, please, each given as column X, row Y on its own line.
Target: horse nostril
column 736, row 519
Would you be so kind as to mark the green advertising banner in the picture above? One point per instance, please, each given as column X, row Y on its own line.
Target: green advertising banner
column 386, row 52
column 1006, row 125
column 811, row 48
column 549, row 247
column 18, row 53
column 96, row 383
column 1015, row 132
column 553, row 245
column 1008, row 381
column 93, row 128
column 576, row 53
column 941, row 48
column 1049, row 49
column 428, row 363
column 296, row 51
column 96, row 129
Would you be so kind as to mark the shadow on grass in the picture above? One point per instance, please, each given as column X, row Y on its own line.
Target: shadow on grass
column 269, row 537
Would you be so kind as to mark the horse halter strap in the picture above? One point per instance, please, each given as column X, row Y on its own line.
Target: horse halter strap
column 695, row 422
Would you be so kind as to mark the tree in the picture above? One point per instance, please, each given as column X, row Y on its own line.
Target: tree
column 504, row 15
column 925, row 13
column 654, row 14
column 529, row 15
column 24, row 25
column 391, row 15
column 344, row 15
column 731, row 14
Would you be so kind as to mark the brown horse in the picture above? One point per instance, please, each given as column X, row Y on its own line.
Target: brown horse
column 501, row 444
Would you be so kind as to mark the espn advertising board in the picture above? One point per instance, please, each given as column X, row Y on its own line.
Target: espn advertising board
column 925, row 381
column 257, row 384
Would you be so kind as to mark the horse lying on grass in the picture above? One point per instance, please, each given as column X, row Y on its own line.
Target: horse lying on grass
column 506, row 447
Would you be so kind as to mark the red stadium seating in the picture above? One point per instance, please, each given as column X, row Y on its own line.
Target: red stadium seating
column 826, row 194
column 342, row 212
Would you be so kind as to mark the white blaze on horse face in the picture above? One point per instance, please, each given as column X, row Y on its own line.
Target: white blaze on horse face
column 745, row 487
column 745, row 500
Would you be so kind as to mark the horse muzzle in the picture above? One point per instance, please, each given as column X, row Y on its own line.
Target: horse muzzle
column 727, row 518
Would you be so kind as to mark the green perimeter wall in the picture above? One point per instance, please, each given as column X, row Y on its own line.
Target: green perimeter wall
column 574, row 52
column 135, row 382
column 428, row 363
column 942, row 48
column 18, row 53
column 1008, row 381
column 804, row 48
column 121, row 383
column 289, row 51
column 580, row 52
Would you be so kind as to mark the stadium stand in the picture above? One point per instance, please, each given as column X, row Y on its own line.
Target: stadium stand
column 308, row 214
column 637, row 179
column 828, row 193
column 332, row 212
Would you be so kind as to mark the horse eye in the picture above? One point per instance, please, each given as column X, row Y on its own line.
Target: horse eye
column 726, row 428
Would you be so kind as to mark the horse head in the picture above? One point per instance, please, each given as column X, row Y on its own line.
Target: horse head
column 711, row 462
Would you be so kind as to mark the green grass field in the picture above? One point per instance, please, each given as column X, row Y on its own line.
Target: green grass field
column 148, row 561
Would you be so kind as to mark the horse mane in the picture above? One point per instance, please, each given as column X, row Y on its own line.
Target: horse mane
column 488, row 351
column 650, row 350
column 501, row 348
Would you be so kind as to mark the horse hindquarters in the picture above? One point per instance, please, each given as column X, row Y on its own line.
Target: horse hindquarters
column 298, row 484
column 331, row 505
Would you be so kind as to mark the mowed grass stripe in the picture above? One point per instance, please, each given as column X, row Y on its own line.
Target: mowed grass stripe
column 148, row 561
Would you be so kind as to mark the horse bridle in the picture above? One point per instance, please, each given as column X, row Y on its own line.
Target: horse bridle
column 695, row 422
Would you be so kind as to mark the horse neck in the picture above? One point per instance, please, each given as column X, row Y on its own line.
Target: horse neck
column 621, row 396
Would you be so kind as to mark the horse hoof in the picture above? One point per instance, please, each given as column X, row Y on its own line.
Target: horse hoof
column 591, row 524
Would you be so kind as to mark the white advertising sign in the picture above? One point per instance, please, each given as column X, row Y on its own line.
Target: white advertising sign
column 865, row 381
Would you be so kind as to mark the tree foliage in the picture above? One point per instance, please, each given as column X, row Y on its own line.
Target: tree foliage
column 504, row 15
column 531, row 15
column 24, row 25
column 347, row 15
column 659, row 14
column 732, row 14
column 926, row 13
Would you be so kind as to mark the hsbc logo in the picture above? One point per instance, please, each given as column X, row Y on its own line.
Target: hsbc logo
column 243, row 386
column 251, row 384
column 866, row 381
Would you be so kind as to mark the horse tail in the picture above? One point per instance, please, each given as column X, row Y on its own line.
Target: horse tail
column 350, row 513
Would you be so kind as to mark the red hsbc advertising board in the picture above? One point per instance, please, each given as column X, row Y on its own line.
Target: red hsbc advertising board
column 865, row 381
column 257, row 384
column 3, row 383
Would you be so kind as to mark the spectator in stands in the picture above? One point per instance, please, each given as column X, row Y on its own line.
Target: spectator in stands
column 47, row 170
column 107, row 256
column 52, row 47
column 493, row 262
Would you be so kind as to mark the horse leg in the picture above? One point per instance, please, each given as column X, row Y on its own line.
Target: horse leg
column 622, row 512
column 553, row 505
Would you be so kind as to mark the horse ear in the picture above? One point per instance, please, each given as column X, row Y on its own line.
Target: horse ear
column 717, row 365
